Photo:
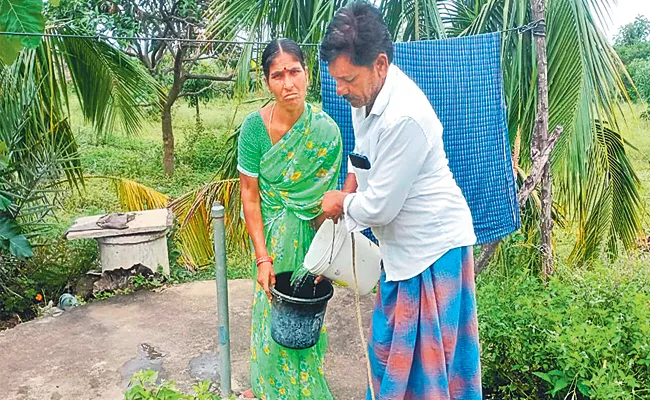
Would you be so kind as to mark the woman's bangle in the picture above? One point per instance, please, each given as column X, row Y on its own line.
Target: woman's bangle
column 261, row 260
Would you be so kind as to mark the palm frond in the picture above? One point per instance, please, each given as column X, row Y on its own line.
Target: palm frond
column 38, row 149
column 192, row 214
column 193, row 236
column 478, row 17
column 134, row 196
column 263, row 20
column 413, row 20
column 110, row 85
column 195, row 223
column 192, row 207
column 585, row 77
column 584, row 87
column 612, row 204
column 195, row 243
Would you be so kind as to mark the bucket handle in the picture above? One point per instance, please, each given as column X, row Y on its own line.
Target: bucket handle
column 333, row 241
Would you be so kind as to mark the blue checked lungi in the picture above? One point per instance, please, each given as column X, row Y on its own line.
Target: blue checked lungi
column 424, row 338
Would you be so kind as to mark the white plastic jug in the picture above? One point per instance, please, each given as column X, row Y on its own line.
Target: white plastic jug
column 330, row 255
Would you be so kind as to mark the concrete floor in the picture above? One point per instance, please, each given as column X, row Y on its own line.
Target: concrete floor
column 92, row 351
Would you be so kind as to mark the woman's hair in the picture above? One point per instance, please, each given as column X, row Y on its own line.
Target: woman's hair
column 278, row 46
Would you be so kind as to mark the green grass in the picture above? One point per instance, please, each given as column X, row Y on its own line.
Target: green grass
column 637, row 132
column 140, row 158
column 199, row 154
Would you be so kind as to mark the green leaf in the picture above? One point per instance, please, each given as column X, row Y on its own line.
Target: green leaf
column 9, row 49
column 55, row 3
column 8, row 227
column 543, row 376
column 4, row 203
column 108, row 84
column 25, row 16
column 19, row 246
column 559, row 385
column 4, row 158
column 583, row 388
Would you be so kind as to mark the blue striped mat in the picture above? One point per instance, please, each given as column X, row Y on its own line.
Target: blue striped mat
column 462, row 77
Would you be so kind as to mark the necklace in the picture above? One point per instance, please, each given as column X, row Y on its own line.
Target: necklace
column 271, row 121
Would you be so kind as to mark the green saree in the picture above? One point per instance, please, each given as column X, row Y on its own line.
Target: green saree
column 293, row 175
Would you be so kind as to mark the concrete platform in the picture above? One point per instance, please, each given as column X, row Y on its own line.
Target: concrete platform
column 92, row 351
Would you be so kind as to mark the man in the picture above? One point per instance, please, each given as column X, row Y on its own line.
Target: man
column 424, row 339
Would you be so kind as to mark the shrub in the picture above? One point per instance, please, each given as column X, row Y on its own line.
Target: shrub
column 53, row 270
column 143, row 386
column 202, row 150
column 640, row 72
column 586, row 333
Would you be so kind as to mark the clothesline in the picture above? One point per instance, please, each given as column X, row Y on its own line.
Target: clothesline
column 536, row 27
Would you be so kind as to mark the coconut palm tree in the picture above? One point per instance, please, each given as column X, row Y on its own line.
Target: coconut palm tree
column 38, row 74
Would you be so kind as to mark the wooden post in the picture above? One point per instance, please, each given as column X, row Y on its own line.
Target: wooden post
column 541, row 137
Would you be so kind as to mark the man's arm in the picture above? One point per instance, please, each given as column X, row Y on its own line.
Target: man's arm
column 401, row 152
column 350, row 185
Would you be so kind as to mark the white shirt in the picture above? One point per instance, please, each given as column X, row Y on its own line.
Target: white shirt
column 408, row 196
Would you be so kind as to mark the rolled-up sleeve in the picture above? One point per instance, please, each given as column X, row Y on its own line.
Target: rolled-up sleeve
column 401, row 152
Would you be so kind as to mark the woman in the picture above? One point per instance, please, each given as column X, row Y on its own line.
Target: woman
column 289, row 156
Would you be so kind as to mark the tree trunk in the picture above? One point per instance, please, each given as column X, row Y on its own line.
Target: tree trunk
column 167, row 127
column 525, row 190
column 198, row 114
column 540, row 137
column 168, row 139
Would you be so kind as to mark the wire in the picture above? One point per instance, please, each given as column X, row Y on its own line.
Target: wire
column 136, row 38
column 536, row 27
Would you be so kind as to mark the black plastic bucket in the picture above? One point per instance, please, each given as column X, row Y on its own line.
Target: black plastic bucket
column 297, row 318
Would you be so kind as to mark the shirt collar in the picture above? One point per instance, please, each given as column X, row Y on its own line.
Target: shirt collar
column 381, row 102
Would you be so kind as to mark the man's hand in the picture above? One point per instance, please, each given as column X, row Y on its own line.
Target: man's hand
column 333, row 204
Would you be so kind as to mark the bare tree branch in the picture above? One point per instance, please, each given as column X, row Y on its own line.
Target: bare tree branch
column 129, row 52
column 537, row 169
column 159, row 47
column 142, row 55
column 188, row 21
column 203, row 57
column 198, row 92
column 212, row 77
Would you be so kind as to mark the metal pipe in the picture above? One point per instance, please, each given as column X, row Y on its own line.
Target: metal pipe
column 223, row 320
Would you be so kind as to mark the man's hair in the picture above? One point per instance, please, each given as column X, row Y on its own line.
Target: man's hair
column 358, row 31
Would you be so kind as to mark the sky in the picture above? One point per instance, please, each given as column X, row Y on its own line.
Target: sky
column 624, row 13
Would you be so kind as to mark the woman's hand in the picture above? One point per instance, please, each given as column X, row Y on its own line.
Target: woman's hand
column 266, row 277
